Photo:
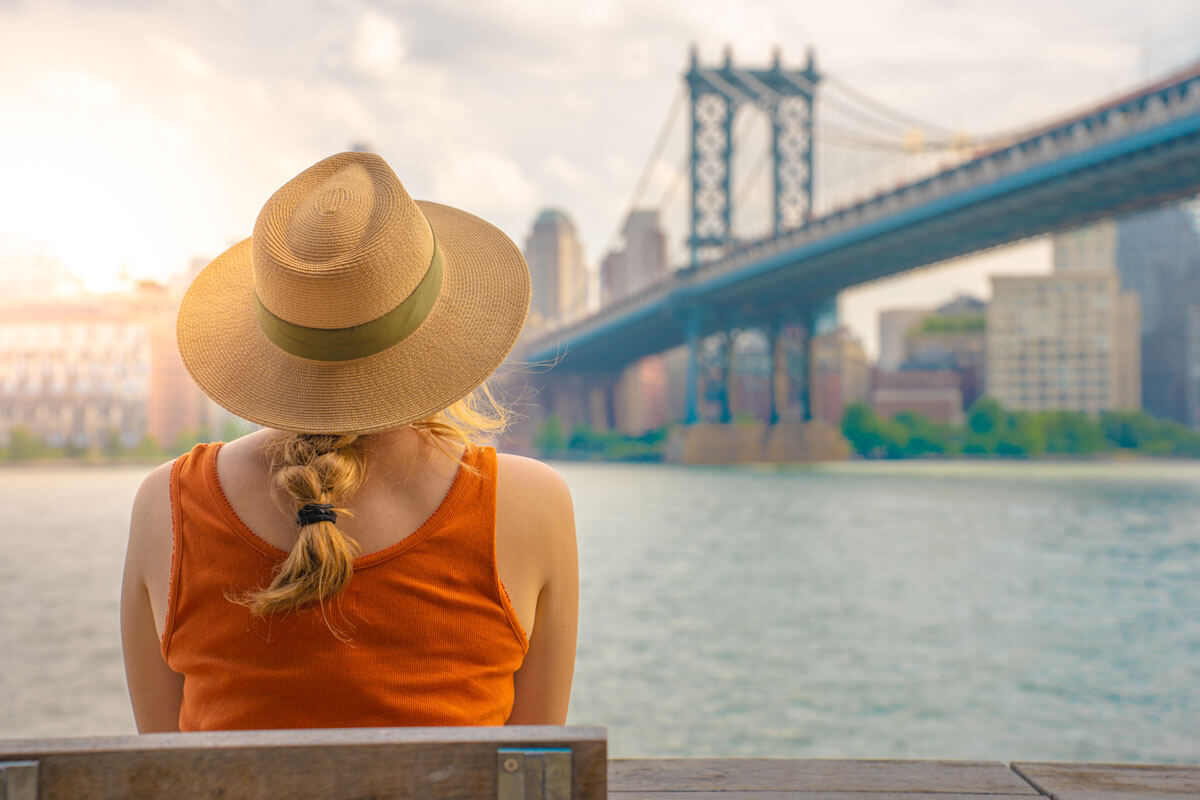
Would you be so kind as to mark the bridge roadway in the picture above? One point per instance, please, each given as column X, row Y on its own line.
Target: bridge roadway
column 1134, row 152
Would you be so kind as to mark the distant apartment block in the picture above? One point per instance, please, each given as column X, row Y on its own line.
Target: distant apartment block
column 952, row 338
column 1065, row 341
column 894, row 325
column 935, row 360
column 557, row 271
column 934, row 393
column 78, row 372
column 640, row 397
column 840, row 375
column 640, row 262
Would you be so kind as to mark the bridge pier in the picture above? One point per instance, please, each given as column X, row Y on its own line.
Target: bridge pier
column 776, row 371
column 691, row 411
column 725, row 389
column 817, row 320
column 601, row 401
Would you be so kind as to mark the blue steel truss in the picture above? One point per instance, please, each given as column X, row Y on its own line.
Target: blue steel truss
column 1136, row 152
column 787, row 98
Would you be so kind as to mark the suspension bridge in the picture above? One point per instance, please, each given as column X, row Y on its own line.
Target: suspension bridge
column 845, row 190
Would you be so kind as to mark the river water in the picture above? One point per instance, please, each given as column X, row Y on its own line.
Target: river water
column 910, row 610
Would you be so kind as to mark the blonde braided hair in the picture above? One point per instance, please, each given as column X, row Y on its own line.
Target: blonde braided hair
column 308, row 468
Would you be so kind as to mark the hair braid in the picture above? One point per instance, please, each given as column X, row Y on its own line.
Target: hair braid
column 312, row 468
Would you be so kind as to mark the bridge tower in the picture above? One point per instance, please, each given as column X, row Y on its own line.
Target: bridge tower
column 716, row 93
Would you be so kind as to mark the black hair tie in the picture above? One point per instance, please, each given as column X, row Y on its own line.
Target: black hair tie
column 312, row 513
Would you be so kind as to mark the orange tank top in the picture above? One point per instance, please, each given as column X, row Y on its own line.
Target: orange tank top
column 433, row 637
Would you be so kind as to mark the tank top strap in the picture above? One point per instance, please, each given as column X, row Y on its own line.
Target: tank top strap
column 478, row 476
column 193, row 479
column 468, row 512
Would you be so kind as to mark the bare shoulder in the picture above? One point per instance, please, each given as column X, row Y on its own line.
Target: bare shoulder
column 532, row 486
column 534, row 512
column 150, row 521
column 153, row 500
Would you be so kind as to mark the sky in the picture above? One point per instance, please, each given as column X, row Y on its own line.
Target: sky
column 138, row 136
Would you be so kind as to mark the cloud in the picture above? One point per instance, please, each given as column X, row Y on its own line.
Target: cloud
column 378, row 45
column 500, row 105
column 487, row 181
column 563, row 171
column 183, row 57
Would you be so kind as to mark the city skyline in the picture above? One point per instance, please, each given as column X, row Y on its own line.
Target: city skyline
column 125, row 169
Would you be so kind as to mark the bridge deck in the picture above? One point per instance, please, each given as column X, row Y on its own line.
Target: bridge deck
column 804, row 779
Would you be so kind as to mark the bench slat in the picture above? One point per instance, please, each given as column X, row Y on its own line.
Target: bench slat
column 814, row 775
column 433, row 763
column 1113, row 781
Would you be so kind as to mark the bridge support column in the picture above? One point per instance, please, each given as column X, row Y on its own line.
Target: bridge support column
column 729, row 396
column 819, row 319
column 599, row 405
column 565, row 401
column 777, row 374
column 691, row 402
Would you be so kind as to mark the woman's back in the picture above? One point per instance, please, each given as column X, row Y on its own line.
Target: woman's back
column 432, row 636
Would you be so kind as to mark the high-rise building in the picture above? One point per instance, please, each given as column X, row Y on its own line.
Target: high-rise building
column 1158, row 256
column 640, row 262
column 840, row 375
column 556, row 267
column 1087, row 248
column 894, row 324
column 614, row 284
column 1065, row 341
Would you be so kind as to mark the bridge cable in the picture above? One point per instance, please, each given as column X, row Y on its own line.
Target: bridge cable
column 883, row 111
column 644, row 179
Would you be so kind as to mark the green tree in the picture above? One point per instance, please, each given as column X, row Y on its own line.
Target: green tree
column 585, row 440
column 986, row 417
column 233, row 428
column 23, row 445
column 923, row 436
column 1072, row 433
column 148, row 448
column 1022, row 436
column 186, row 440
column 986, row 423
column 1131, row 430
column 111, row 446
column 550, row 439
column 872, row 437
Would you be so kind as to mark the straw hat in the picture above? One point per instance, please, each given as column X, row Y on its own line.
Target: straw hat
column 353, row 308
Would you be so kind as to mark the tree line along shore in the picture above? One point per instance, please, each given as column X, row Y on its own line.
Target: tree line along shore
column 988, row 431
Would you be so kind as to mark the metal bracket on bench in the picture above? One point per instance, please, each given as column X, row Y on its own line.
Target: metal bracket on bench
column 18, row 780
column 533, row 773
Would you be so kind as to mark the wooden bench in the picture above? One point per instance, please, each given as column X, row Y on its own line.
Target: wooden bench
column 519, row 763
column 534, row 763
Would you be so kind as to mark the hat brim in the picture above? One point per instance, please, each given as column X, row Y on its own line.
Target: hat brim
column 471, row 328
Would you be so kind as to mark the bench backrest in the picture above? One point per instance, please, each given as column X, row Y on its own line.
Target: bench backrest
column 518, row 763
